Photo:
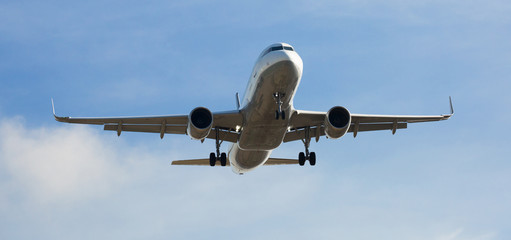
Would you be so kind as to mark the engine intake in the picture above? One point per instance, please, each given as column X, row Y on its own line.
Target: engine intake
column 200, row 122
column 337, row 122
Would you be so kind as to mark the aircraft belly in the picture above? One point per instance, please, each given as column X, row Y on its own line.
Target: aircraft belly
column 262, row 137
column 242, row 161
column 261, row 130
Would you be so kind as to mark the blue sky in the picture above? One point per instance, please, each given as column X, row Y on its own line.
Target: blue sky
column 445, row 181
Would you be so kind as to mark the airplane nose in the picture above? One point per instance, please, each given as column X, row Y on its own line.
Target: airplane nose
column 290, row 56
column 283, row 55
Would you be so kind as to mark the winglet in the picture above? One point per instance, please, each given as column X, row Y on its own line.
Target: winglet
column 450, row 102
column 60, row 119
column 447, row 116
column 53, row 107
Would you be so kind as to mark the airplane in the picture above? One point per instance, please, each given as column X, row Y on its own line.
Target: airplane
column 263, row 120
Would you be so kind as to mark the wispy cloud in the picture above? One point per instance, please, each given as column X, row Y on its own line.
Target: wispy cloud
column 73, row 172
column 451, row 236
column 57, row 164
column 461, row 234
column 60, row 173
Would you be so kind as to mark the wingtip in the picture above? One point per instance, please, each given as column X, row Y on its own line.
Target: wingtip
column 57, row 118
column 447, row 116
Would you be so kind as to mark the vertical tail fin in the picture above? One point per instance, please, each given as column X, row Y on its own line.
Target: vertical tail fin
column 237, row 101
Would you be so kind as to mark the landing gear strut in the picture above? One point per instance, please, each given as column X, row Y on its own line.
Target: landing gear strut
column 222, row 157
column 278, row 100
column 311, row 156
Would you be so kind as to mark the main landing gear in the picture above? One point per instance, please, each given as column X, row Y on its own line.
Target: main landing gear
column 311, row 156
column 222, row 157
column 278, row 100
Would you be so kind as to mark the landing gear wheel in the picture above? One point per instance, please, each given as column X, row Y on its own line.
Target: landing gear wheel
column 223, row 159
column 212, row 159
column 312, row 158
column 301, row 158
column 277, row 114
column 283, row 114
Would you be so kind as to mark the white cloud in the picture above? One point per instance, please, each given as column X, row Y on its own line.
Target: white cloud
column 51, row 176
column 71, row 181
column 57, row 164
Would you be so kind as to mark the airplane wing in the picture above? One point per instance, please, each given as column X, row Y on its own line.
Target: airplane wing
column 205, row 162
column 225, row 122
column 313, row 122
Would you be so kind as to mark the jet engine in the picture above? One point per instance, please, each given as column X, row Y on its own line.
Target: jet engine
column 200, row 122
column 337, row 122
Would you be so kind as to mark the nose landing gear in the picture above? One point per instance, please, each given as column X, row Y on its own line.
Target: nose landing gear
column 278, row 100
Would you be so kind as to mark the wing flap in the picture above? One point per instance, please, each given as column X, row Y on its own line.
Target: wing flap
column 364, row 127
column 224, row 135
column 370, row 118
column 299, row 134
column 171, row 129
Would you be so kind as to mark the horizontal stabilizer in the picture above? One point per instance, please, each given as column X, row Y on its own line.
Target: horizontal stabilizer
column 193, row 162
column 280, row 161
column 205, row 162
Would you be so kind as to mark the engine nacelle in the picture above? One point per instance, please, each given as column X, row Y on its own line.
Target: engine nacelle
column 337, row 122
column 200, row 122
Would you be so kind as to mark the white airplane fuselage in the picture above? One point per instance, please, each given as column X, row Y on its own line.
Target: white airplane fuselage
column 277, row 71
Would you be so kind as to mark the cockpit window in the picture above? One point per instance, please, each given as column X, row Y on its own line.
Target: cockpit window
column 277, row 48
